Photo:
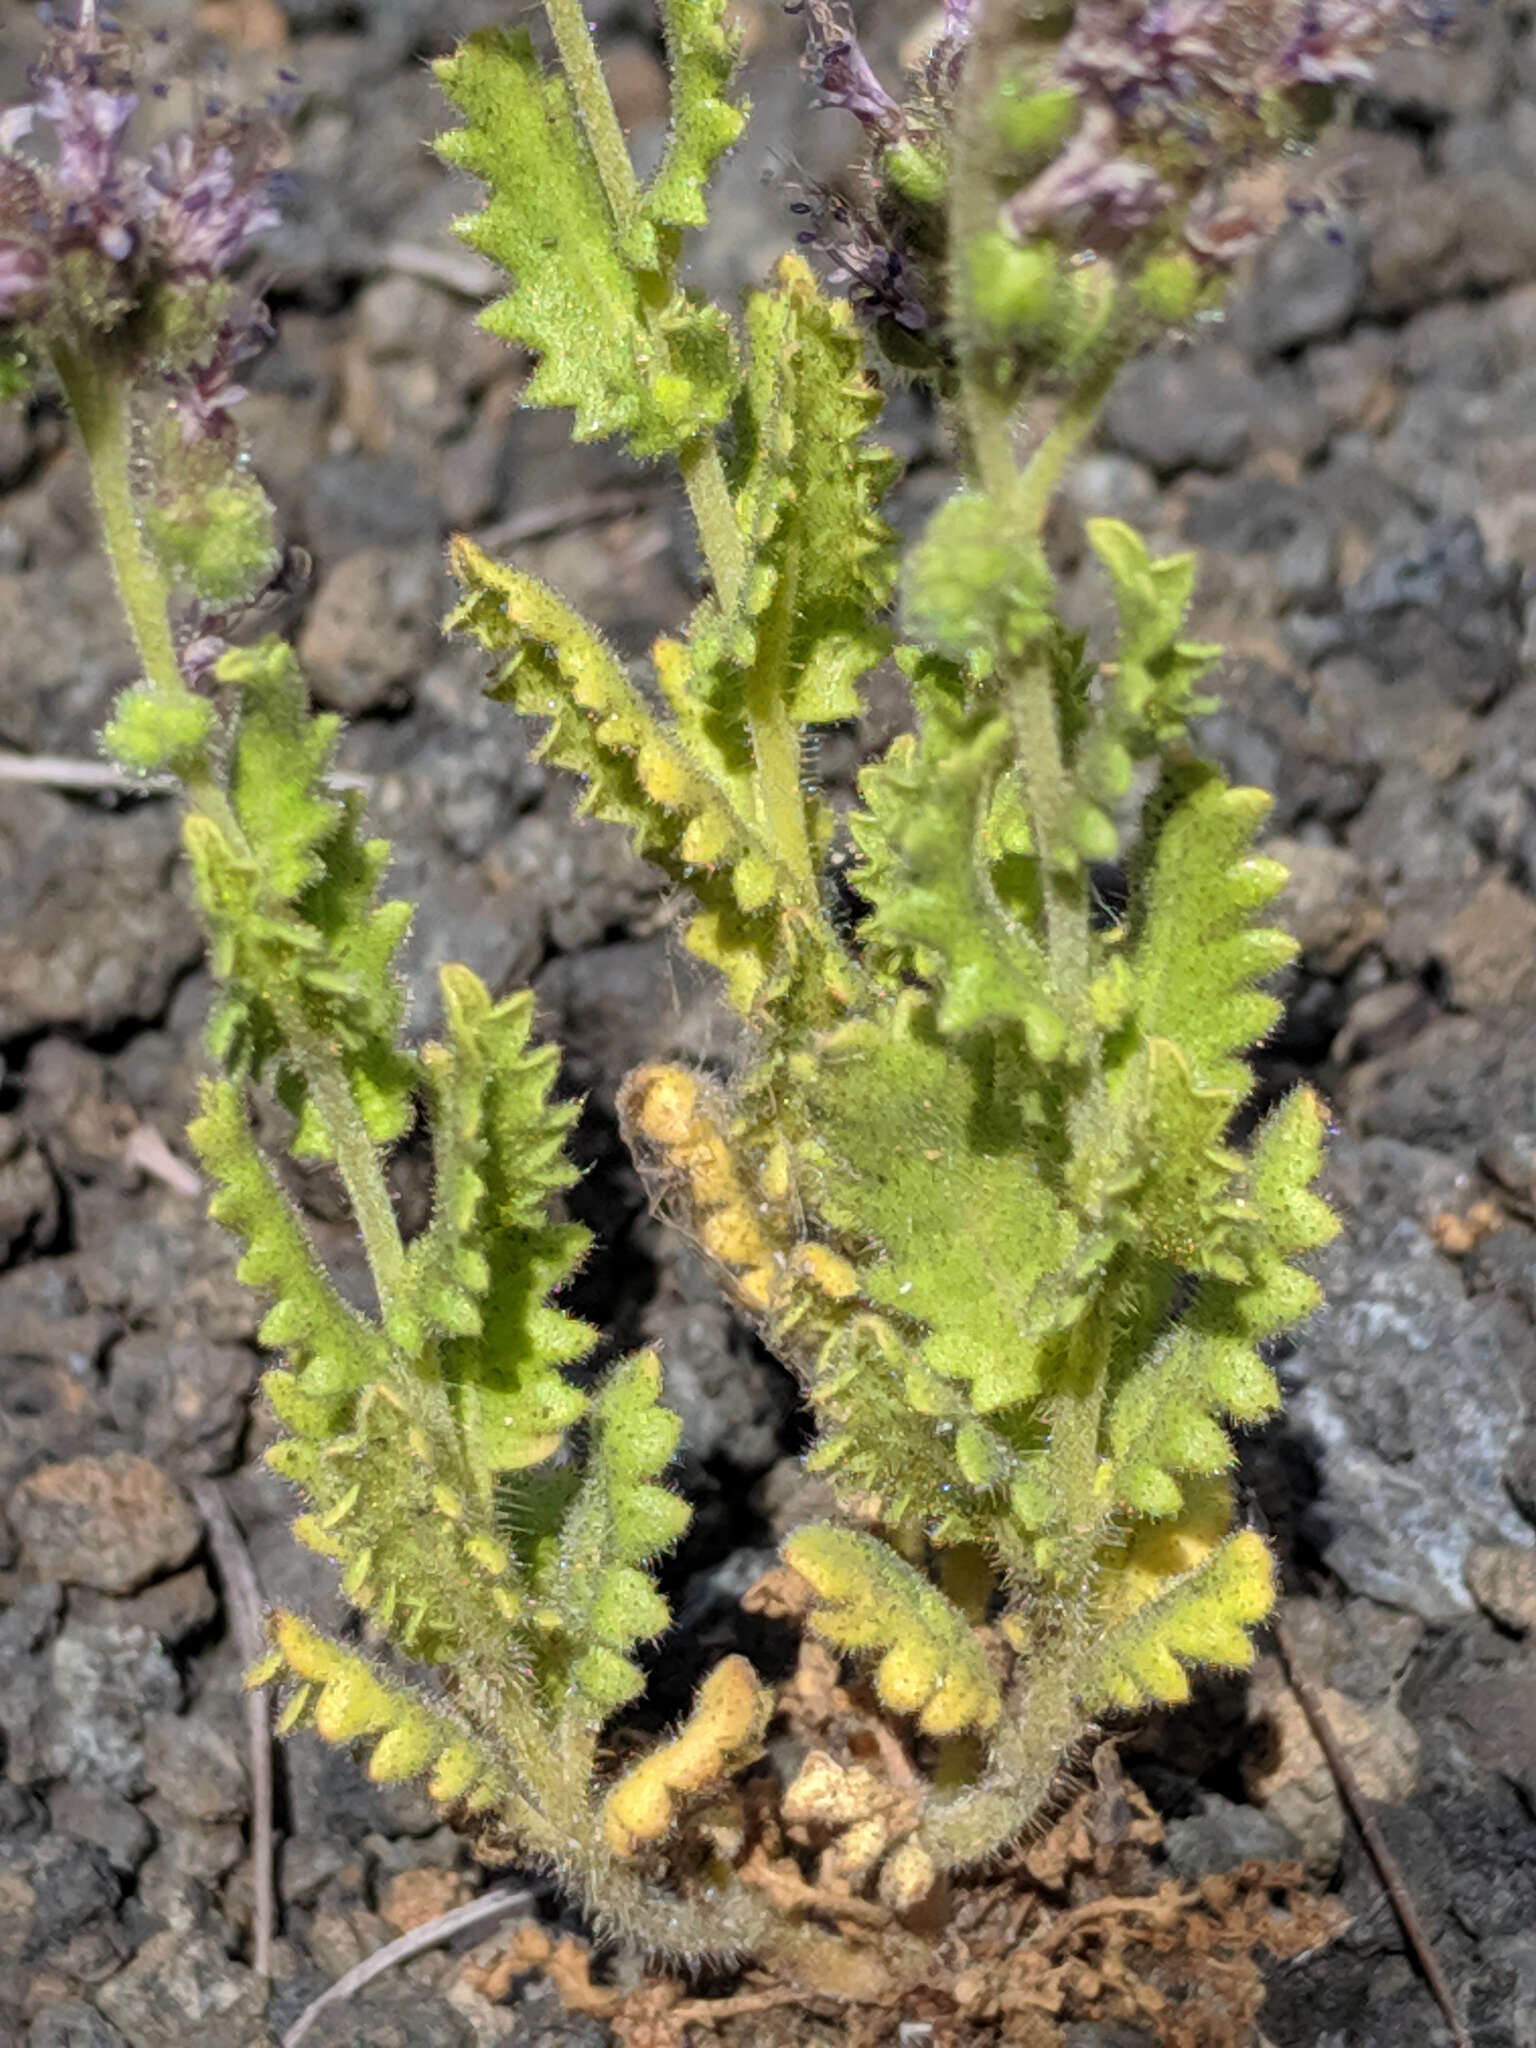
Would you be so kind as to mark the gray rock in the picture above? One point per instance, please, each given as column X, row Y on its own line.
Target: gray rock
column 48, row 1891
column 196, row 1768
column 29, row 1196
column 1407, row 1394
column 1488, row 949
column 1222, row 1835
column 73, row 2025
column 1441, row 609
column 50, row 1341
column 113, row 1523
column 326, row 1785
column 373, row 628
column 184, row 1401
column 308, row 1863
column 171, row 1609
column 1104, row 2034
column 1195, row 410
column 96, row 1813
column 1309, row 286
column 1328, row 903
column 392, row 2013
column 103, row 1683
column 183, row 1988
column 98, row 926
column 1448, row 1085
column 1520, row 1473
column 733, row 1402
column 66, row 652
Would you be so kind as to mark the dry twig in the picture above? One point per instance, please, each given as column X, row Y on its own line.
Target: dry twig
column 430, row 1935
column 1387, row 1867
column 59, row 771
column 242, row 1597
column 585, row 508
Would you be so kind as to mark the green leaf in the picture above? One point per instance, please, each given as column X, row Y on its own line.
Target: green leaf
column 579, row 299
column 1197, row 957
column 484, row 1269
column 289, row 891
column 1201, row 1615
column 808, row 621
column 1155, row 669
column 923, row 1152
column 619, row 1521
column 637, row 770
column 932, row 1662
column 701, row 58
column 331, row 1353
column 976, row 589
column 944, row 842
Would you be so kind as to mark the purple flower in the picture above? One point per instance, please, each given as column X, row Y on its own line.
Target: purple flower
column 1093, row 192
column 1333, row 41
column 844, row 77
column 23, row 279
column 207, row 207
column 178, row 222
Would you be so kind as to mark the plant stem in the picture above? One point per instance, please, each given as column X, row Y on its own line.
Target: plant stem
column 703, row 472
column 714, row 515
column 357, row 1157
column 1048, row 794
column 594, row 102
column 775, row 737
column 775, row 741
column 98, row 399
column 99, row 402
column 1043, row 472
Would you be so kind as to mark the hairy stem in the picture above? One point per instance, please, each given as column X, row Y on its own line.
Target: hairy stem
column 98, row 399
column 775, row 738
column 357, row 1159
column 1048, row 795
column 1079, row 416
column 703, row 472
column 584, row 74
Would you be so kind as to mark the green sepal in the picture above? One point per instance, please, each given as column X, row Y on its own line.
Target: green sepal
column 153, row 730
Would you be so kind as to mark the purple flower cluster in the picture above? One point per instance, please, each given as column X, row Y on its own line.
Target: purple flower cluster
column 89, row 231
column 1173, row 99
column 1174, row 94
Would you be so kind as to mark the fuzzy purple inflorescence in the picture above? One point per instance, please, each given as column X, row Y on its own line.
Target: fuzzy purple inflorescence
column 1174, row 97
column 77, row 194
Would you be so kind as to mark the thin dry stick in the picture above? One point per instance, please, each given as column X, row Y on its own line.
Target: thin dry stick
column 1387, row 1868
column 540, row 522
column 242, row 1596
column 57, row 771
column 60, row 771
column 456, row 270
column 420, row 1939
